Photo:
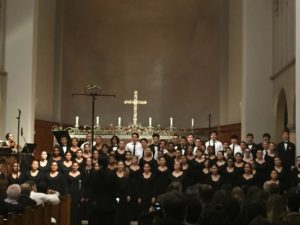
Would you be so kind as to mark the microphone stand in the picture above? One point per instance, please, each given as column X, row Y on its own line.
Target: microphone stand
column 18, row 142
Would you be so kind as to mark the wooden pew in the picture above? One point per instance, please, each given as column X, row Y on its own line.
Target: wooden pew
column 54, row 212
column 26, row 216
column 12, row 219
column 2, row 221
column 65, row 210
column 38, row 215
column 47, row 214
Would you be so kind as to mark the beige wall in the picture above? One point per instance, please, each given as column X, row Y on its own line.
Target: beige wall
column 45, row 88
column 168, row 50
column 234, row 86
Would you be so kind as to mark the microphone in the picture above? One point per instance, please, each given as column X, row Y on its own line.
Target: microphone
column 22, row 131
column 19, row 110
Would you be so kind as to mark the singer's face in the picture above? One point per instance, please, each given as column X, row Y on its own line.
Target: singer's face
column 54, row 166
column 75, row 166
column 10, row 137
column 44, row 155
column 35, row 165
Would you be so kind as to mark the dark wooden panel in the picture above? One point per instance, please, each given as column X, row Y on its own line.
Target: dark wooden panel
column 43, row 136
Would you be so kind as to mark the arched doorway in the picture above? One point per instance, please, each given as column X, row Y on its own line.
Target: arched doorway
column 281, row 114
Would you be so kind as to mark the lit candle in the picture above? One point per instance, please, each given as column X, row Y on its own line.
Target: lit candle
column 171, row 122
column 77, row 121
column 150, row 122
column 119, row 121
column 192, row 122
column 97, row 120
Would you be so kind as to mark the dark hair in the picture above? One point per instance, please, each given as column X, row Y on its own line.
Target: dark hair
column 144, row 139
column 114, row 137
column 135, row 133
column 155, row 135
column 174, row 206
column 7, row 136
column 213, row 132
column 250, row 135
column 266, row 135
column 234, row 137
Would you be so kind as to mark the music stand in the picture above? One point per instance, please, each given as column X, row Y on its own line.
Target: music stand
column 28, row 148
column 58, row 134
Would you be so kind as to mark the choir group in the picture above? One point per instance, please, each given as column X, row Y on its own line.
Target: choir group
column 120, row 182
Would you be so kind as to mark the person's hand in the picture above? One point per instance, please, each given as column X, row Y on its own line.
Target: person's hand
column 139, row 201
column 128, row 198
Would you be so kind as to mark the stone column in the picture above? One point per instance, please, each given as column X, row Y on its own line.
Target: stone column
column 298, row 77
column 20, row 60
column 257, row 90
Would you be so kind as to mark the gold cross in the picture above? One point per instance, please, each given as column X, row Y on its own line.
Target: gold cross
column 135, row 102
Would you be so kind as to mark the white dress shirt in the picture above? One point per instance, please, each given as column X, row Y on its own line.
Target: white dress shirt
column 236, row 148
column 218, row 145
column 138, row 149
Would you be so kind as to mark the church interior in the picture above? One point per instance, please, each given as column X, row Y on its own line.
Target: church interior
column 165, row 81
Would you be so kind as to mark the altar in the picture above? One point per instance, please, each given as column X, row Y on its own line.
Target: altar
column 124, row 132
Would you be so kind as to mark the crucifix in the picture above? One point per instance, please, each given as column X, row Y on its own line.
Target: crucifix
column 93, row 91
column 135, row 102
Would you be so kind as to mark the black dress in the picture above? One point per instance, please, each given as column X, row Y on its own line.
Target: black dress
column 44, row 169
column 197, row 168
column 75, row 190
column 119, row 157
column 133, row 191
column 169, row 161
column 246, row 183
column 189, row 178
column 180, row 179
column 39, row 180
column 18, row 180
column 152, row 163
column 147, row 192
column 216, row 185
column 162, row 181
column 57, row 183
column 65, row 169
column 230, row 177
column 262, row 170
column 122, row 217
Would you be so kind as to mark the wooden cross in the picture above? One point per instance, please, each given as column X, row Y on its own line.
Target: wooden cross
column 135, row 102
